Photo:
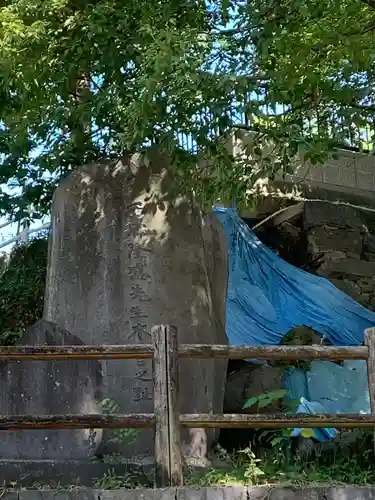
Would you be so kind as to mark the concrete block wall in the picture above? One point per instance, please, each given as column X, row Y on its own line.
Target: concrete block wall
column 346, row 174
column 348, row 170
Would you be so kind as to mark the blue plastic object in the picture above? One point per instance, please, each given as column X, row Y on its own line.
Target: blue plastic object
column 311, row 408
column 267, row 297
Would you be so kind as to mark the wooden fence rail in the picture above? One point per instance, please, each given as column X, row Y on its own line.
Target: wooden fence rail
column 166, row 419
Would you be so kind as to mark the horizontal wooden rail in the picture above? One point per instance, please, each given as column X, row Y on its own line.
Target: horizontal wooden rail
column 276, row 421
column 274, row 352
column 147, row 420
column 93, row 421
column 74, row 352
column 190, row 351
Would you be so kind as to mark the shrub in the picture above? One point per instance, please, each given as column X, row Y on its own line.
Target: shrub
column 22, row 283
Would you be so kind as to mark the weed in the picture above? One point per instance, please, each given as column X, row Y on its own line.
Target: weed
column 119, row 436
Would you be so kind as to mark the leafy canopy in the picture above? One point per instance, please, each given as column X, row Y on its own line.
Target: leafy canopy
column 83, row 80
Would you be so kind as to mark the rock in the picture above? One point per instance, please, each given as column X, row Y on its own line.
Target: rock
column 366, row 285
column 249, row 381
column 350, row 268
column 264, row 379
column 369, row 247
column 347, row 287
column 369, row 243
column 370, row 257
column 328, row 239
column 126, row 254
column 318, row 214
column 292, row 233
column 50, row 387
column 235, row 388
column 252, row 381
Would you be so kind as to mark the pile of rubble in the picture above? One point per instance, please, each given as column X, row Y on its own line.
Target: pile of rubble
column 329, row 240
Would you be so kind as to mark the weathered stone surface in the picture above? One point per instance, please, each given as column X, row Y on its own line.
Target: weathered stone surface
column 325, row 239
column 81, row 494
column 9, row 495
column 165, row 494
column 348, row 287
column 236, row 384
column 369, row 244
column 318, row 214
column 369, row 257
column 350, row 268
column 218, row 493
column 125, row 255
column 252, row 381
column 48, row 387
column 291, row 232
column 264, row 379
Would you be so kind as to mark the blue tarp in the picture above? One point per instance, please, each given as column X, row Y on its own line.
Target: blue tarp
column 267, row 297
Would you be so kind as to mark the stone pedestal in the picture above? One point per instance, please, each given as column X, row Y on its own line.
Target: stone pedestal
column 47, row 388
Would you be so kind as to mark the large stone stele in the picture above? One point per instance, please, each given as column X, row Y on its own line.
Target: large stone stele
column 126, row 254
column 47, row 388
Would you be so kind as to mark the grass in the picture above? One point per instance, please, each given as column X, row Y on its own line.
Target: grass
column 297, row 472
column 352, row 464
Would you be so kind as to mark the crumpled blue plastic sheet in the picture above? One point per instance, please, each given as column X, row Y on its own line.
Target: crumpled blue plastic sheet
column 267, row 297
column 311, row 408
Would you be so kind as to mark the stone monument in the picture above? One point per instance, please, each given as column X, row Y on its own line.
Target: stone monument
column 46, row 388
column 126, row 254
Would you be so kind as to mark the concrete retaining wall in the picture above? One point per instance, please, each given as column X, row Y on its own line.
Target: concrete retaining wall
column 346, row 173
column 228, row 493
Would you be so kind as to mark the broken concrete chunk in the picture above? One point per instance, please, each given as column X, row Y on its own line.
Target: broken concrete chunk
column 353, row 269
column 318, row 214
column 324, row 239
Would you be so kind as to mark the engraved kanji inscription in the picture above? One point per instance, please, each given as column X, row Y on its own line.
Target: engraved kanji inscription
column 139, row 332
column 141, row 394
column 136, row 272
column 138, row 293
column 134, row 252
column 137, row 313
column 143, row 375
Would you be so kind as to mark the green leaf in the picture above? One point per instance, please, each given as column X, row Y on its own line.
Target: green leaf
column 251, row 402
column 82, row 81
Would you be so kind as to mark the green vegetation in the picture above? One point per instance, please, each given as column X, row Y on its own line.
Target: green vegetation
column 81, row 81
column 22, row 283
column 354, row 466
column 269, row 459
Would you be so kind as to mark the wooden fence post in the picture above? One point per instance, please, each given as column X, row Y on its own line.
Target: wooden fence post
column 168, row 460
column 370, row 343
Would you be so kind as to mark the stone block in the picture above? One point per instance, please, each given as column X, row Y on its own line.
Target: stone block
column 353, row 269
column 215, row 493
column 46, row 388
column 325, row 239
column 320, row 213
column 348, row 287
column 369, row 245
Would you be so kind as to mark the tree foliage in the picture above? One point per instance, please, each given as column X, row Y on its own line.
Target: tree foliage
column 22, row 284
column 83, row 80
